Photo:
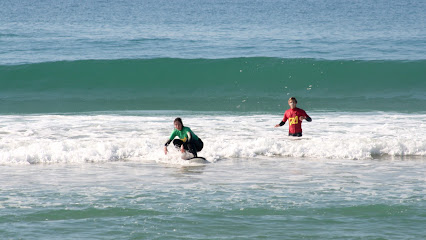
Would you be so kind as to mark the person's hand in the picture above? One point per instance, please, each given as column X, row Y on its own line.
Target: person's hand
column 277, row 125
column 182, row 150
column 165, row 150
column 301, row 118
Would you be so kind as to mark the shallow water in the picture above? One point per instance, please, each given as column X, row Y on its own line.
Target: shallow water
column 273, row 198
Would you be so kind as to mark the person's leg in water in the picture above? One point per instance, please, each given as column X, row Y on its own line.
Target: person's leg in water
column 177, row 143
column 187, row 146
column 195, row 146
column 192, row 147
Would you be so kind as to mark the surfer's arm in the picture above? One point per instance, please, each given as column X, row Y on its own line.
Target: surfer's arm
column 307, row 118
column 304, row 116
column 168, row 142
column 283, row 121
column 189, row 136
column 165, row 146
column 280, row 124
column 172, row 136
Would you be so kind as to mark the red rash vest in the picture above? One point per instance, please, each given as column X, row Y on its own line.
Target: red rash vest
column 293, row 115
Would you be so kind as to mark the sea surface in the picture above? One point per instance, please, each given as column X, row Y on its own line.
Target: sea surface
column 89, row 91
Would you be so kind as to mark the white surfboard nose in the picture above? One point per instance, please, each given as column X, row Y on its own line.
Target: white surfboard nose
column 187, row 155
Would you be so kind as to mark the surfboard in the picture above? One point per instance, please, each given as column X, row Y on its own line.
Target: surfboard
column 198, row 160
column 190, row 158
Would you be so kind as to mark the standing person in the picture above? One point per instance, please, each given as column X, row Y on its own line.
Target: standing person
column 295, row 116
column 187, row 139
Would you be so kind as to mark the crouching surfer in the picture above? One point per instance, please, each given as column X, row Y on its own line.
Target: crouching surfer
column 295, row 116
column 187, row 139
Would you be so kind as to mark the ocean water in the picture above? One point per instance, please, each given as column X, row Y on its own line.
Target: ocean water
column 89, row 91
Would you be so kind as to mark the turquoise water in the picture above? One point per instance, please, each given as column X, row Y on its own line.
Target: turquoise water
column 89, row 91
column 237, row 84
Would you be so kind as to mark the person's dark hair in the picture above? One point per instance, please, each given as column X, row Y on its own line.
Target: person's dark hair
column 178, row 120
column 292, row 98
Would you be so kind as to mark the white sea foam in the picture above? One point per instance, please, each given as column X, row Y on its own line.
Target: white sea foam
column 28, row 139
